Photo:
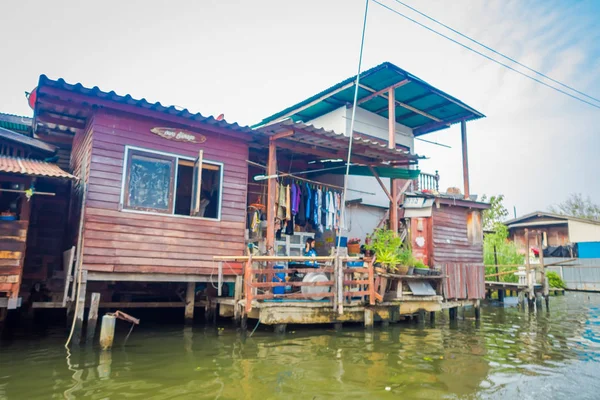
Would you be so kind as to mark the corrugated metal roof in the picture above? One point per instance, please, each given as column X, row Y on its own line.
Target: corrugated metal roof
column 310, row 134
column 415, row 93
column 142, row 103
column 541, row 214
column 16, row 165
column 15, row 122
column 26, row 140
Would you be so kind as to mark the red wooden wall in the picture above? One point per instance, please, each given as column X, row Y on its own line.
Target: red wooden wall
column 121, row 241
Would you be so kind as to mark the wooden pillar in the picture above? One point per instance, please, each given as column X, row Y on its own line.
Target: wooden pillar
column 92, row 318
column 432, row 317
column 394, row 206
column 271, row 183
column 190, row 297
column 465, row 158
column 530, row 279
column 477, row 311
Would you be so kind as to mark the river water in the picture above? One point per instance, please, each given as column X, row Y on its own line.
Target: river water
column 510, row 353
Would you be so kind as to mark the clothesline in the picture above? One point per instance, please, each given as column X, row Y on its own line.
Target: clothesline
column 292, row 176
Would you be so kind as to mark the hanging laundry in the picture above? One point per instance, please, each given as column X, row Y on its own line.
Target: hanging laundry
column 308, row 198
column 280, row 195
column 288, row 204
column 331, row 210
column 315, row 208
column 301, row 214
column 324, row 208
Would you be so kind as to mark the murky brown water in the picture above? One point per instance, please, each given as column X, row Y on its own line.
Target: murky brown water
column 509, row 354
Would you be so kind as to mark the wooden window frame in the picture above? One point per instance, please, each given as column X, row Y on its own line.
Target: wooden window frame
column 171, row 200
column 474, row 236
column 206, row 164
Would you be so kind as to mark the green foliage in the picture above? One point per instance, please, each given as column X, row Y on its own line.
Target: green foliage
column 389, row 249
column 421, row 264
column 496, row 213
column 554, row 280
column 578, row 206
column 506, row 253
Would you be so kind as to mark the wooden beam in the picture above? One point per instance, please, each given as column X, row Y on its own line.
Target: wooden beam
column 281, row 135
column 271, row 186
column 408, row 107
column 392, row 120
column 465, row 157
column 153, row 277
column 382, row 91
column 376, row 175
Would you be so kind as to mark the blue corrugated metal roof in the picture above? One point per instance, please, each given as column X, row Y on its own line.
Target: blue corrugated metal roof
column 15, row 122
column 415, row 93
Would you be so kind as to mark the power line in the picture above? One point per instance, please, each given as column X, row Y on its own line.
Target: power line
column 496, row 52
column 484, row 55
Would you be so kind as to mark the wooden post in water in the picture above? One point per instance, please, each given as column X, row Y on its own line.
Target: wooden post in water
column 78, row 333
column 545, row 288
column 190, row 297
column 452, row 312
column 107, row 331
column 92, row 318
column 530, row 283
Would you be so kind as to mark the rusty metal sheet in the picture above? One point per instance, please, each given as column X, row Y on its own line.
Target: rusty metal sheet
column 25, row 166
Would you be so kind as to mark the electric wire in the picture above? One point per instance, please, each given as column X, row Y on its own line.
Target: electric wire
column 496, row 52
column 484, row 55
column 354, row 105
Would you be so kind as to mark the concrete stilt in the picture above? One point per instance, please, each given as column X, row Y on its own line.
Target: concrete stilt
column 453, row 312
column 279, row 328
column 369, row 318
column 107, row 331
column 421, row 316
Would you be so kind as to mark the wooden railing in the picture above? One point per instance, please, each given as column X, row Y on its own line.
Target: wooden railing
column 428, row 182
column 259, row 271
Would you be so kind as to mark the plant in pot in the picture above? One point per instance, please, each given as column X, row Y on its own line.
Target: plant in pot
column 386, row 247
column 354, row 246
column 421, row 268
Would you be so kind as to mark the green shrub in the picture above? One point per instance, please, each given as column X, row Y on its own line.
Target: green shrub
column 555, row 280
column 506, row 253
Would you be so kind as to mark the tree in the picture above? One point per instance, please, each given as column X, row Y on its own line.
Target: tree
column 578, row 206
column 506, row 253
column 496, row 213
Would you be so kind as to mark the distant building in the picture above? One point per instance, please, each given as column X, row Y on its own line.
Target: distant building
column 557, row 230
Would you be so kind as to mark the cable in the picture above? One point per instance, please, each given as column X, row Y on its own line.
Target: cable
column 354, row 104
column 494, row 51
column 484, row 55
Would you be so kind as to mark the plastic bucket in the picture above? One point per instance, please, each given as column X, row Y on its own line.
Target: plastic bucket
column 279, row 277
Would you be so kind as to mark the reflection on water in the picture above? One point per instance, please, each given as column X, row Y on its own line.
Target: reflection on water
column 509, row 353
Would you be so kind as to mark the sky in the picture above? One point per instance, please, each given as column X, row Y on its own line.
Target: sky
column 250, row 59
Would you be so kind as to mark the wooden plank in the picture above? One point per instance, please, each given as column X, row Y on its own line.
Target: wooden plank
column 68, row 258
column 92, row 318
column 389, row 89
column 157, row 277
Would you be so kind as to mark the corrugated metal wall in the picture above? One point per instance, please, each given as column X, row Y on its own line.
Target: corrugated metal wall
column 583, row 274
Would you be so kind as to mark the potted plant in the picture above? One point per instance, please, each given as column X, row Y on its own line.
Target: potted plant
column 421, row 268
column 354, row 246
column 387, row 247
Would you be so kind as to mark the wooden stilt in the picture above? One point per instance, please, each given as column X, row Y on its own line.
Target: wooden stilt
column 244, row 322
column 190, row 297
column 92, row 318
column 279, row 328
column 78, row 332
column 421, row 316
column 432, row 317
column 478, row 310
column 385, row 323
column 338, row 326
